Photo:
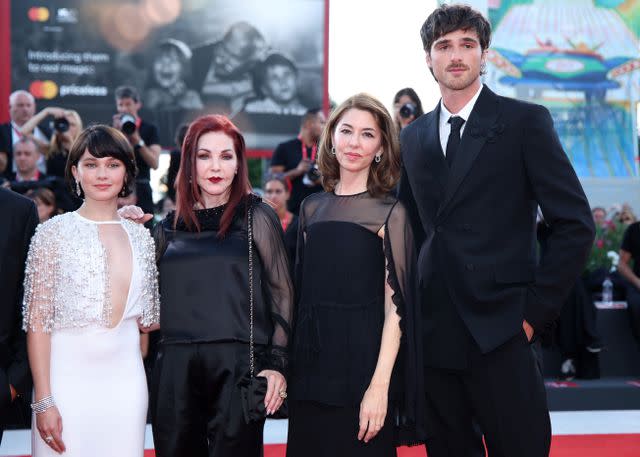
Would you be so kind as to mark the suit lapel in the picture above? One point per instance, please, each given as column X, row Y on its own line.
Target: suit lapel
column 482, row 118
column 430, row 150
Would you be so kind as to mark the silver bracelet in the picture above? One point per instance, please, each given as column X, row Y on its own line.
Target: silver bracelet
column 42, row 405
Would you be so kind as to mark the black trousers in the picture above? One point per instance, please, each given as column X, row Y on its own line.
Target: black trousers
column 633, row 308
column 195, row 402
column 318, row 430
column 502, row 391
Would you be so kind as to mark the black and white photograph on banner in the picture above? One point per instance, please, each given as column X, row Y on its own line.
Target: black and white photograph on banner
column 190, row 57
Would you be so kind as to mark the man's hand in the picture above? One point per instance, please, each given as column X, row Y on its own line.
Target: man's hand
column 528, row 329
column 14, row 393
column 303, row 167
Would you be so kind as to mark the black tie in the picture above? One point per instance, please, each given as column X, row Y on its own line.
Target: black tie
column 454, row 139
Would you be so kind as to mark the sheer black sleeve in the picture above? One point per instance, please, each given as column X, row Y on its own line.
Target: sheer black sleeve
column 400, row 253
column 269, row 243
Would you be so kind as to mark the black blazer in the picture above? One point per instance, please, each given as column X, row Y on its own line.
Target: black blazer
column 17, row 224
column 481, row 215
column 6, row 143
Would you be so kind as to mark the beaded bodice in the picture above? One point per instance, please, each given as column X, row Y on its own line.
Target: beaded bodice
column 66, row 276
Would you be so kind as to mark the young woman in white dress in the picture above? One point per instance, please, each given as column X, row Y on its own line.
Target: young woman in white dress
column 90, row 288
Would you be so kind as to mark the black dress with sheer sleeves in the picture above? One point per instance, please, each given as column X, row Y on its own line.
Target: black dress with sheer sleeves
column 204, row 324
column 340, row 279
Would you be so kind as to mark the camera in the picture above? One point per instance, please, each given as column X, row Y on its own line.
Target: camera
column 127, row 124
column 61, row 124
column 312, row 175
column 407, row 110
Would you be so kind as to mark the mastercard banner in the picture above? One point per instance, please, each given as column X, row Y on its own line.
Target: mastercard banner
column 263, row 70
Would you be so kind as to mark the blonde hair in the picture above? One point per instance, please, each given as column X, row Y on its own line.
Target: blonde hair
column 384, row 175
column 54, row 146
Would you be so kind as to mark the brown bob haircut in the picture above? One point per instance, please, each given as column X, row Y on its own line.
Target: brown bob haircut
column 103, row 141
column 384, row 175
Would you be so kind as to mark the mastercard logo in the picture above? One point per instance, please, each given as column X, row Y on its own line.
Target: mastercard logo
column 38, row 14
column 43, row 89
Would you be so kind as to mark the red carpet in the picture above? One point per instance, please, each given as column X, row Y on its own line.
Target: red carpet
column 561, row 446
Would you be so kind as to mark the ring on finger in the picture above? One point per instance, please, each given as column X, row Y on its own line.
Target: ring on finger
column 283, row 394
column 48, row 439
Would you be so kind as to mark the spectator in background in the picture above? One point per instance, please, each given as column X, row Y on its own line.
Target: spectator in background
column 45, row 201
column 222, row 70
column 22, row 107
column 626, row 216
column 170, row 71
column 174, row 163
column 275, row 83
column 599, row 216
column 277, row 192
column 15, row 234
column 4, row 161
column 26, row 156
column 144, row 139
column 630, row 251
column 296, row 159
column 407, row 107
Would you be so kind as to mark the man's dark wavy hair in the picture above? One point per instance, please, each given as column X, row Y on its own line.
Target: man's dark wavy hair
column 449, row 18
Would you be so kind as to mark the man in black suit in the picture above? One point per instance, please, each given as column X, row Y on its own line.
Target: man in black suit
column 22, row 107
column 475, row 170
column 18, row 220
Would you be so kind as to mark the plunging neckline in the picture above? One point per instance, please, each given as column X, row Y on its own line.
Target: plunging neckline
column 126, row 306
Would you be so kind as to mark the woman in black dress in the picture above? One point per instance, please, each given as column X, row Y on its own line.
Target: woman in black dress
column 355, row 386
column 204, row 286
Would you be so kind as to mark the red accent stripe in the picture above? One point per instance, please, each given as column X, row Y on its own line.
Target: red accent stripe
column 5, row 59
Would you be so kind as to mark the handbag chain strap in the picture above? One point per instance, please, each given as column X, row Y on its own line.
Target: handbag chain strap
column 250, row 237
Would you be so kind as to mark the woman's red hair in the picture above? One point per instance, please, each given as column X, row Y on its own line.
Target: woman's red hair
column 187, row 190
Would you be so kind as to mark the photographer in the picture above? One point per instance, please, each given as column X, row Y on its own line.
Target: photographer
column 66, row 126
column 143, row 136
column 296, row 159
column 406, row 107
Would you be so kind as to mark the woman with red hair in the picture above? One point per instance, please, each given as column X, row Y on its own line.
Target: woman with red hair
column 204, row 265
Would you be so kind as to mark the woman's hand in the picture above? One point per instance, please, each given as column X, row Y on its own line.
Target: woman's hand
column 134, row 213
column 49, row 425
column 373, row 411
column 276, row 390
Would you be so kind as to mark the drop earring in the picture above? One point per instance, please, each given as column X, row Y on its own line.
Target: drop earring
column 333, row 150
column 378, row 158
column 78, row 190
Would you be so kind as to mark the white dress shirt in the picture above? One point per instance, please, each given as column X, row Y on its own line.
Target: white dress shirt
column 445, row 114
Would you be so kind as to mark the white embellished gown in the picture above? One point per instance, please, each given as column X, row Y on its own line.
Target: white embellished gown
column 96, row 372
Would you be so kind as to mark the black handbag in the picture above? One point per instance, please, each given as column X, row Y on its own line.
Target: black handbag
column 254, row 388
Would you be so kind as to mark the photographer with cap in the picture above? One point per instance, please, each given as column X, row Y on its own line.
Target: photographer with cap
column 407, row 107
column 296, row 159
column 143, row 136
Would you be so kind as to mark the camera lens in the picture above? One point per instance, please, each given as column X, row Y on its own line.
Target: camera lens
column 313, row 174
column 407, row 110
column 61, row 124
column 127, row 124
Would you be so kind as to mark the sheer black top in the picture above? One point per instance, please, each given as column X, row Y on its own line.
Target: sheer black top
column 340, row 277
column 204, row 282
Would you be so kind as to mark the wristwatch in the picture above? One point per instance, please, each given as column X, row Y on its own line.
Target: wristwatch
column 140, row 143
